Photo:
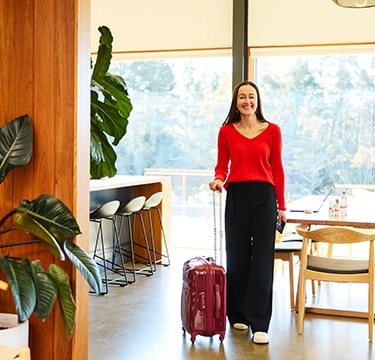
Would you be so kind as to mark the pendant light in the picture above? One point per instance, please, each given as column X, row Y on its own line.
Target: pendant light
column 359, row 4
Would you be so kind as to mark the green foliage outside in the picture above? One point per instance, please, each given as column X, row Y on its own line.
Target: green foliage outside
column 325, row 107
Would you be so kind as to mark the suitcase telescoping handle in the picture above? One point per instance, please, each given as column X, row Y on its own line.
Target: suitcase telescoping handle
column 216, row 240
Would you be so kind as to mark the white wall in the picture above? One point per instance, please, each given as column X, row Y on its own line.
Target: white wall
column 151, row 25
column 148, row 25
column 300, row 22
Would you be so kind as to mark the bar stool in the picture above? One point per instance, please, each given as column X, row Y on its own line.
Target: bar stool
column 130, row 212
column 150, row 204
column 107, row 212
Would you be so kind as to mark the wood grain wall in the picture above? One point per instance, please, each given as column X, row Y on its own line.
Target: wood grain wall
column 45, row 71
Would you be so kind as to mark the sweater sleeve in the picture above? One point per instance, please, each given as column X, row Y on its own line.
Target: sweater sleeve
column 222, row 166
column 278, row 169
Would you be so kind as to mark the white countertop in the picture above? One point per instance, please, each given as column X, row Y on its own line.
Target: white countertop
column 119, row 181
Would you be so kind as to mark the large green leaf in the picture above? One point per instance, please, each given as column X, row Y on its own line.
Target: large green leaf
column 110, row 109
column 16, row 145
column 85, row 264
column 102, row 157
column 24, row 222
column 53, row 214
column 117, row 89
column 108, row 119
column 104, row 56
column 49, row 219
column 64, row 295
column 22, row 286
column 46, row 290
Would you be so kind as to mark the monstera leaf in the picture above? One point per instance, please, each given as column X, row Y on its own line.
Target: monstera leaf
column 110, row 109
column 35, row 290
column 16, row 145
column 49, row 220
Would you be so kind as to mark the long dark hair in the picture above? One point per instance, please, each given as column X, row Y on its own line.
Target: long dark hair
column 233, row 114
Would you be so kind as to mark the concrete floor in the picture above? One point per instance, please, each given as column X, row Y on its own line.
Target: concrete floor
column 142, row 321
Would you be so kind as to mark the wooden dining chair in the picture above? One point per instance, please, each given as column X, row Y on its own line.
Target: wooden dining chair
column 316, row 266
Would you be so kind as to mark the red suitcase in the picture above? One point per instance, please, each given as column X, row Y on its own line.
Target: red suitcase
column 203, row 300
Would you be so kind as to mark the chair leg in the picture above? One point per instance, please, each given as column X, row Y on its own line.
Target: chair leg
column 152, row 237
column 291, row 280
column 118, row 268
column 155, row 253
column 102, row 257
column 148, row 270
column 123, row 251
column 371, row 310
column 166, row 255
column 301, row 303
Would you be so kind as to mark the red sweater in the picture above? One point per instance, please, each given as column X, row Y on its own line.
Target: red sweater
column 258, row 159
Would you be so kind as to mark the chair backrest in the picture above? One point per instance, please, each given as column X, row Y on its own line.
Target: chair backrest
column 336, row 234
column 106, row 210
column 132, row 206
column 153, row 201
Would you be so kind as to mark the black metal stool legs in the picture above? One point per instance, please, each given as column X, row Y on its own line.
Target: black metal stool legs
column 129, row 248
column 102, row 257
column 106, row 212
column 157, row 253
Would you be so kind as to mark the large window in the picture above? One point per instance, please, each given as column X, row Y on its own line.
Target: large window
column 325, row 107
column 179, row 105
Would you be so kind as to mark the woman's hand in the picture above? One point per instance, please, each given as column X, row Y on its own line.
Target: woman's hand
column 216, row 185
column 281, row 216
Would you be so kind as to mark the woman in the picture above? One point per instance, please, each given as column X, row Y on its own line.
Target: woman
column 249, row 166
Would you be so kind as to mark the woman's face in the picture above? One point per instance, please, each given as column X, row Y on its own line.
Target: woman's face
column 247, row 100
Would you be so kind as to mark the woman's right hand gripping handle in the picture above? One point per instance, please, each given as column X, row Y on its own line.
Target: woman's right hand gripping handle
column 216, row 185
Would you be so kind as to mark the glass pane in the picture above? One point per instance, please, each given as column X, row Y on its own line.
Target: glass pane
column 179, row 105
column 325, row 107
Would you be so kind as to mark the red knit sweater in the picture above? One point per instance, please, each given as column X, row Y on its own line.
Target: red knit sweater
column 258, row 159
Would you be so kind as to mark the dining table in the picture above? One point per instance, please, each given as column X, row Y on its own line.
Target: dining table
column 360, row 214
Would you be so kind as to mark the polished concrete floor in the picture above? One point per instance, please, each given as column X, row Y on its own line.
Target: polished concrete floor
column 142, row 321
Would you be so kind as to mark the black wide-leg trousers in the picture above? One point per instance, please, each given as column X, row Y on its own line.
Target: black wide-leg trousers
column 250, row 220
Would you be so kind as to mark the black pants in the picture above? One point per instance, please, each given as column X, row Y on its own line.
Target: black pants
column 250, row 220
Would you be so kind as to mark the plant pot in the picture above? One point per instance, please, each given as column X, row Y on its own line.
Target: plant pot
column 13, row 334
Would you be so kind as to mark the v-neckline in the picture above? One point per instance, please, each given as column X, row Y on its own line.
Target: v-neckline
column 254, row 137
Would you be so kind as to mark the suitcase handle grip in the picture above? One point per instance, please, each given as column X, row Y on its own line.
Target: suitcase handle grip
column 217, row 301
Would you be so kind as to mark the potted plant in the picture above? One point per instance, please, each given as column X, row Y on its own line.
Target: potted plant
column 45, row 220
column 110, row 109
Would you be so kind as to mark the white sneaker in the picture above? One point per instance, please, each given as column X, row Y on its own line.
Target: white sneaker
column 260, row 337
column 240, row 326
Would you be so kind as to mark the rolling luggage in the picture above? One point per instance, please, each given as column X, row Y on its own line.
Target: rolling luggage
column 203, row 298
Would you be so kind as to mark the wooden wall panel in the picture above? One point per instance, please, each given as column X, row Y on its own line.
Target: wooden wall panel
column 40, row 41
column 82, row 166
